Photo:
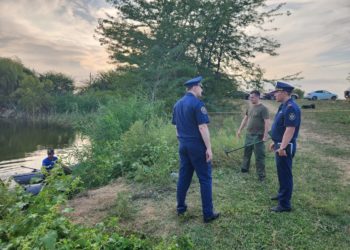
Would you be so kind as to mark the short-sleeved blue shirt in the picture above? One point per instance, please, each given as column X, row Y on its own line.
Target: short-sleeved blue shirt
column 288, row 115
column 188, row 113
column 49, row 164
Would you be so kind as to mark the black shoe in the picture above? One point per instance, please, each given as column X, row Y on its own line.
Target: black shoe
column 211, row 218
column 243, row 170
column 261, row 179
column 274, row 198
column 279, row 209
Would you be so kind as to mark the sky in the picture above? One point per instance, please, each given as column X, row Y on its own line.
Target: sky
column 58, row 35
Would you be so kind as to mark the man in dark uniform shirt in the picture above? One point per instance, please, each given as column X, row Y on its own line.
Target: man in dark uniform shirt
column 284, row 133
column 190, row 118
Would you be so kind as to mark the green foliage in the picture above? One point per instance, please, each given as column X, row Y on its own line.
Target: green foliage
column 122, row 82
column 168, row 42
column 181, row 242
column 108, row 155
column 123, row 207
column 38, row 222
column 146, row 151
column 32, row 95
column 96, row 164
column 12, row 72
column 116, row 117
column 88, row 102
column 149, row 151
column 300, row 92
column 62, row 84
column 209, row 33
column 44, row 94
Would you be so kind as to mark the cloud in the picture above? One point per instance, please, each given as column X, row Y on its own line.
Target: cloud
column 315, row 39
column 54, row 35
column 58, row 35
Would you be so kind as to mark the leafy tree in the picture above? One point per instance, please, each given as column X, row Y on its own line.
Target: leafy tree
column 32, row 95
column 123, row 81
column 170, row 41
column 62, row 84
column 12, row 72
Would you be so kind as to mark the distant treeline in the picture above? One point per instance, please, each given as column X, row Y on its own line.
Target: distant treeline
column 24, row 90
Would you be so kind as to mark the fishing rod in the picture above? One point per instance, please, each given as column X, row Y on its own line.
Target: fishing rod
column 247, row 145
column 34, row 169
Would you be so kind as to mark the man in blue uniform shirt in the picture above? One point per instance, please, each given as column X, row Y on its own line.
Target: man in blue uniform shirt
column 284, row 133
column 190, row 118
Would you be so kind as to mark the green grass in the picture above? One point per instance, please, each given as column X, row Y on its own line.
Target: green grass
column 321, row 204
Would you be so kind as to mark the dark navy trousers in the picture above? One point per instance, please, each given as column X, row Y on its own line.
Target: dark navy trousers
column 192, row 158
column 285, row 177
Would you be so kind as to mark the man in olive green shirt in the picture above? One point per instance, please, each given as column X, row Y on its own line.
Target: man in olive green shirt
column 257, row 121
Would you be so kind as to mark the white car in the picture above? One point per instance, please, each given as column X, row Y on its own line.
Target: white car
column 321, row 95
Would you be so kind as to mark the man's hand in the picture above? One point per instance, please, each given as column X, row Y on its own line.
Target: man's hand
column 281, row 152
column 271, row 147
column 209, row 155
column 238, row 134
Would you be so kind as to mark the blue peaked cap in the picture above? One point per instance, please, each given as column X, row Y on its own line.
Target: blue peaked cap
column 194, row 81
column 284, row 87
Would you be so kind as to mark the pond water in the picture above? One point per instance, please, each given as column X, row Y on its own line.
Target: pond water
column 24, row 145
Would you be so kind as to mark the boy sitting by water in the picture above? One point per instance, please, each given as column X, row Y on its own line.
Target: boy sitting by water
column 50, row 161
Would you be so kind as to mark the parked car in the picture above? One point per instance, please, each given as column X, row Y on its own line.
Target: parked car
column 321, row 95
column 271, row 96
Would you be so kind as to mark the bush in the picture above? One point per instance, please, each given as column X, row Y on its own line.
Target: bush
column 149, row 151
column 108, row 157
column 38, row 222
column 96, row 164
column 117, row 116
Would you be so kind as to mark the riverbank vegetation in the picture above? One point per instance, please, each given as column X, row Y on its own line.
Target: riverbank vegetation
column 147, row 187
column 126, row 114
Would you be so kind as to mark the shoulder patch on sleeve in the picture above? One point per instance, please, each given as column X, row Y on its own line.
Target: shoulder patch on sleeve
column 292, row 116
column 204, row 110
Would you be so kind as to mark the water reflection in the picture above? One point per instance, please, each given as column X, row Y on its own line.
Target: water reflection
column 25, row 144
column 18, row 138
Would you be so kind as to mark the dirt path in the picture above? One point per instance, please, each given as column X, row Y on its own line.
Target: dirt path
column 147, row 209
column 92, row 206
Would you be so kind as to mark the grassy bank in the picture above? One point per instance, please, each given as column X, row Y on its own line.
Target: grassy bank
column 133, row 140
column 321, row 208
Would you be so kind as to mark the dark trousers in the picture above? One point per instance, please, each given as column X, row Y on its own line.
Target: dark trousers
column 285, row 177
column 259, row 152
column 192, row 158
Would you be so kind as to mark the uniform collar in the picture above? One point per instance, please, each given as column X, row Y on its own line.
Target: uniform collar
column 290, row 100
column 190, row 94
